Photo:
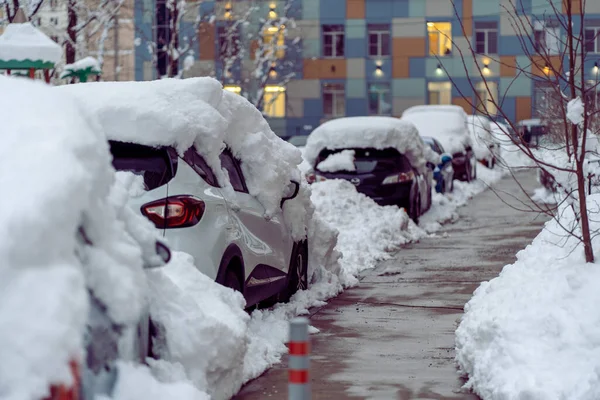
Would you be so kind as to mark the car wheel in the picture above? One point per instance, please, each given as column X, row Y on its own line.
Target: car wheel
column 298, row 272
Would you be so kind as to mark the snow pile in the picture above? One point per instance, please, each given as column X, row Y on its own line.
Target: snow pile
column 368, row 233
column 22, row 42
column 44, row 272
column 448, row 124
column 203, row 327
column 342, row 161
column 201, row 113
column 370, row 132
column 533, row 332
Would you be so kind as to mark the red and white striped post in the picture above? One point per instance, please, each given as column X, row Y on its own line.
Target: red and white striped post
column 299, row 360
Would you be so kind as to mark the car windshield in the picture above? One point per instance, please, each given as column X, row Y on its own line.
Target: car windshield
column 153, row 164
column 372, row 160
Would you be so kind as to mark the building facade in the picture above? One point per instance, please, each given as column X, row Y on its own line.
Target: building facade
column 379, row 57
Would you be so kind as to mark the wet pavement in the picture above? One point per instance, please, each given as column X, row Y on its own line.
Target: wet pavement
column 392, row 337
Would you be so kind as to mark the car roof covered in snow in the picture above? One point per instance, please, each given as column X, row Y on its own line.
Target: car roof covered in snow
column 446, row 123
column 370, row 132
column 530, row 122
column 197, row 111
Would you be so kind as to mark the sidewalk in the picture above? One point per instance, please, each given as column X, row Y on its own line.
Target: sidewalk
column 392, row 337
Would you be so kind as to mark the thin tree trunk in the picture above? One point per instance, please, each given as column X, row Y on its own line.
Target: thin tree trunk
column 70, row 53
column 116, row 46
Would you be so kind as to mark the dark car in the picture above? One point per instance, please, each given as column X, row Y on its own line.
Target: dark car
column 444, row 172
column 387, row 177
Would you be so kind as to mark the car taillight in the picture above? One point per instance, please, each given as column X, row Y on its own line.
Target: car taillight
column 399, row 178
column 61, row 392
column 312, row 178
column 174, row 211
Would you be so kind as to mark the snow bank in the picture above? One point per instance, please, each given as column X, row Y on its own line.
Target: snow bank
column 533, row 331
column 369, row 132
column 448, row 124
column 22, row 42
column 200, row 112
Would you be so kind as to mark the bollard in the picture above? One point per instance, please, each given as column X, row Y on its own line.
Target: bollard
column 299, row 360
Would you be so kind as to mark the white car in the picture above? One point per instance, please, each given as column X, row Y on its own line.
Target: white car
column 448, row 125
column 485, row 144
column 230, row 239
column 223, row 210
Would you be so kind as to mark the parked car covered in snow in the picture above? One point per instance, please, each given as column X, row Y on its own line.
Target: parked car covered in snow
column 213, row 178
column 72, row 273
column 532, row 131
column 448, row 124
column 485, row 145
column 443, row 174
column 383, row 157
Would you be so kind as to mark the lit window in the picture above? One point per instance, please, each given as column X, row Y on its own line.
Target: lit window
column 440, row 38
column 487, row 93
column 274, row 101
column 274, row 40
column 233, row 88
column 440, row 93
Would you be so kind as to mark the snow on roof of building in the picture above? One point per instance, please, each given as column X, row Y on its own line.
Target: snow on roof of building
column 21, row 42
column 369, row 132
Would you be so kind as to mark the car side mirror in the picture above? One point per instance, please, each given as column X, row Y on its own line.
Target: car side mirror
column 446, row 158
column 291, row 191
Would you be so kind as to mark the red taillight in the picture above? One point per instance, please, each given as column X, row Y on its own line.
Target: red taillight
column 174, row 212
column 61, row 392
column 311, row 178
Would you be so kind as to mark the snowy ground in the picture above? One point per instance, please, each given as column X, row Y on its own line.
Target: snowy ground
column 533, row 332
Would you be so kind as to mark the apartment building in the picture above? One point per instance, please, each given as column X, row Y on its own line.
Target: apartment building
column 379, row 57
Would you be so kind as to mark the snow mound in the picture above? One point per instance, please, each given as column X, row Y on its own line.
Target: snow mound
column 575, row 111
column 88, row 63
column 368, row 233
column 533, row 331
column 201, row 113
column 370, row 132
column 342, row 161
column 448, row 124
column 203, row 327
column 21, row 42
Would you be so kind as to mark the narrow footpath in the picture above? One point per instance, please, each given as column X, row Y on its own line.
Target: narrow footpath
column 392, row 337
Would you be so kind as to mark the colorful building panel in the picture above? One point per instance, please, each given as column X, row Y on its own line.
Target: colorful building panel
column 375, row 57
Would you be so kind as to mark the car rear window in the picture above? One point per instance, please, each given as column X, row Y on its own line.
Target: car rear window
column 156, row 165
column 372, row 160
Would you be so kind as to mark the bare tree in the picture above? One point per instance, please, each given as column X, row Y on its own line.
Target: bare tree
column 556, row 48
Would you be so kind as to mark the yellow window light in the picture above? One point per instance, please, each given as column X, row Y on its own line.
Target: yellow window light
column 274, row 89
column 233, row 88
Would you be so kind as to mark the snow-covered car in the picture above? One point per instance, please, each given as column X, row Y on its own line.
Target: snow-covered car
column 443, row 174
column 212, row 177
column 448, row 124
column 485, row 145
column 383, row 157
column 72, row 254
column 531, row 131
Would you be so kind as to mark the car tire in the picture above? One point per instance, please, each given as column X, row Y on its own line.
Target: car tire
column 297, row 273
